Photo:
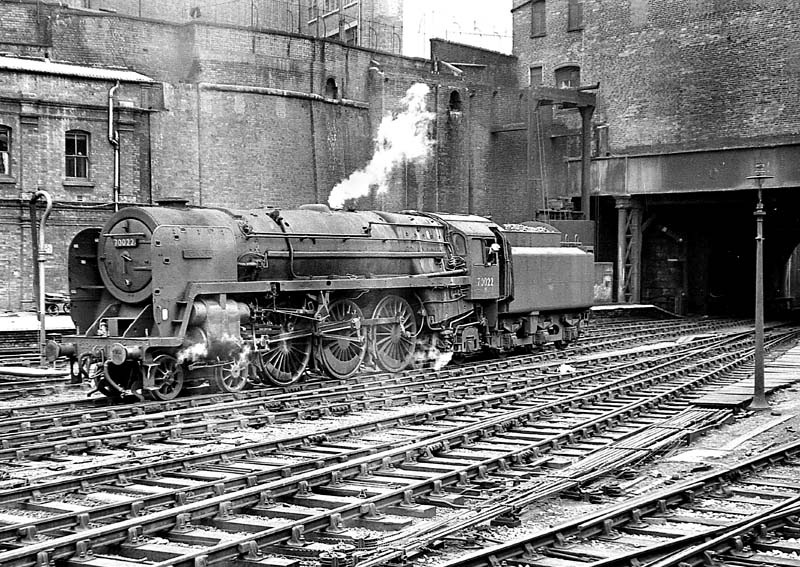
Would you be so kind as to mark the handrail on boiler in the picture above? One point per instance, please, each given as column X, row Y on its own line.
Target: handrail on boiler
column 326, row 236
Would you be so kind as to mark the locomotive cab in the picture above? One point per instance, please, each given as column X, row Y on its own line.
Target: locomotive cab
column 485, row 251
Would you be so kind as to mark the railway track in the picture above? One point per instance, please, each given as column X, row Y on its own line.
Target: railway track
column 75, row 427
column 25, row 437
column 741, row 515
column 306, row 496
column 601, row 338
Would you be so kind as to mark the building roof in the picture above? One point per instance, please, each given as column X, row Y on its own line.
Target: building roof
column 47, row 67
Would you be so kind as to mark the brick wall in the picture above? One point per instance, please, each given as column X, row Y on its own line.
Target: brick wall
column 245, row 121
column 677, row 74
column 16, row 262
column 269, row 14
column 40, row 109
column 381, row 21
column 24, row 30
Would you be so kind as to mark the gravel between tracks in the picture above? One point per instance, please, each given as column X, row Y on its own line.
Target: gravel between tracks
column 750, row 434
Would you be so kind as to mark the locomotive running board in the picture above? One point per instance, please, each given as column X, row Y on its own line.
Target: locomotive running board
column 399, row 282
column 370, row 283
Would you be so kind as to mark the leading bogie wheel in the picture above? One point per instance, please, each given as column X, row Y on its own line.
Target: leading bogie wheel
column 167, row 376
column 341, row 352
column 232, row 376
column 395, row 335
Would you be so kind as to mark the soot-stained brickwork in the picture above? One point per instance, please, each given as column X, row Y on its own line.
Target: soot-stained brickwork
column 227, row 117
column 675, row 73
column 692, row 93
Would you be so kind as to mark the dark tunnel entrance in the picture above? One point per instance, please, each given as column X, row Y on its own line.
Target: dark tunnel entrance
column 698, row 253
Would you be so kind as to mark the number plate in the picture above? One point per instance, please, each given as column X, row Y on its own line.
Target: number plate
column 125, row 242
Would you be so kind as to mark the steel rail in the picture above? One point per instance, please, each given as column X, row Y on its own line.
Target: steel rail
column 61, row 440
column 156, row 522
column 605, row 521
column 75, row 407
column 507, row 394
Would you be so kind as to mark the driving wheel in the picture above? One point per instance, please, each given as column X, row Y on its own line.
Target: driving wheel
column 394, row 336
column 341, row 352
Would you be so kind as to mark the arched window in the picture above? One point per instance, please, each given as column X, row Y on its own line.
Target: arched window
column 5, row 150
column 455, row 102
column 568, row 77
column 77, row 154
column 331, row 90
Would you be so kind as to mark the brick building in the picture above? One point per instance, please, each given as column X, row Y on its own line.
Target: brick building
column 220, row 115
column 678, row 100
column 692, row 95
column 54, row 133
column 375, row 24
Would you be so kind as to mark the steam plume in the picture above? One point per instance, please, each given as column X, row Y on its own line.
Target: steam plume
column 225, row 347
column 192, row 353
column 431, row 357
column 402, row 137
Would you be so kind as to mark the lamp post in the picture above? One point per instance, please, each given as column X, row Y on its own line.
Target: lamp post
column 759, row 398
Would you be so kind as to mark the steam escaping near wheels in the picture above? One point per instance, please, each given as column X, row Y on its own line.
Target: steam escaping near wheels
column 432, row 357
column 225, row 347
column 194, row 352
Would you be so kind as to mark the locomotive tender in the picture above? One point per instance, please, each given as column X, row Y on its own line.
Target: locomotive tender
column 172, row 297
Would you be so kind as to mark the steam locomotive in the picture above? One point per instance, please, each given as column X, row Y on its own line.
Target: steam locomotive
column 171, row 298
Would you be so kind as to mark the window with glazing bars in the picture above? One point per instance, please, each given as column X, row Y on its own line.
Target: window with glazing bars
column 77, row 154
column 5, row 150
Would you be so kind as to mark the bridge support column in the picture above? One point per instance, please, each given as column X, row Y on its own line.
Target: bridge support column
column 629, row 249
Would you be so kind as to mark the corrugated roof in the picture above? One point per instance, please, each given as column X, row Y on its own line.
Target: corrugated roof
column 47, row 67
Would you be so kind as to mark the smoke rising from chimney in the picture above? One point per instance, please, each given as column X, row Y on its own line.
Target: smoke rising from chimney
column 401, row 137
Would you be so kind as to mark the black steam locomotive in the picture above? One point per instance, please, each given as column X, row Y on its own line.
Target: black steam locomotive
column 174, row 297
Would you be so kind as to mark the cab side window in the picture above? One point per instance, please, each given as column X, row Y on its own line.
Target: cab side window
column 459, row 245
column 484, row 251
column 491, row 251
column 476, row 252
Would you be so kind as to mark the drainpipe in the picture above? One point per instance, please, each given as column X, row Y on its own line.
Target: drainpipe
column 113, row 139
column 40, row 258
column 436, row 138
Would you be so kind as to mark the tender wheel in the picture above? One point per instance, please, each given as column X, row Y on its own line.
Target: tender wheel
column 285, row 360
column 51, row 309
column 167, row 375
column 233, row 376
column 341, row 352
column 394, row 342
